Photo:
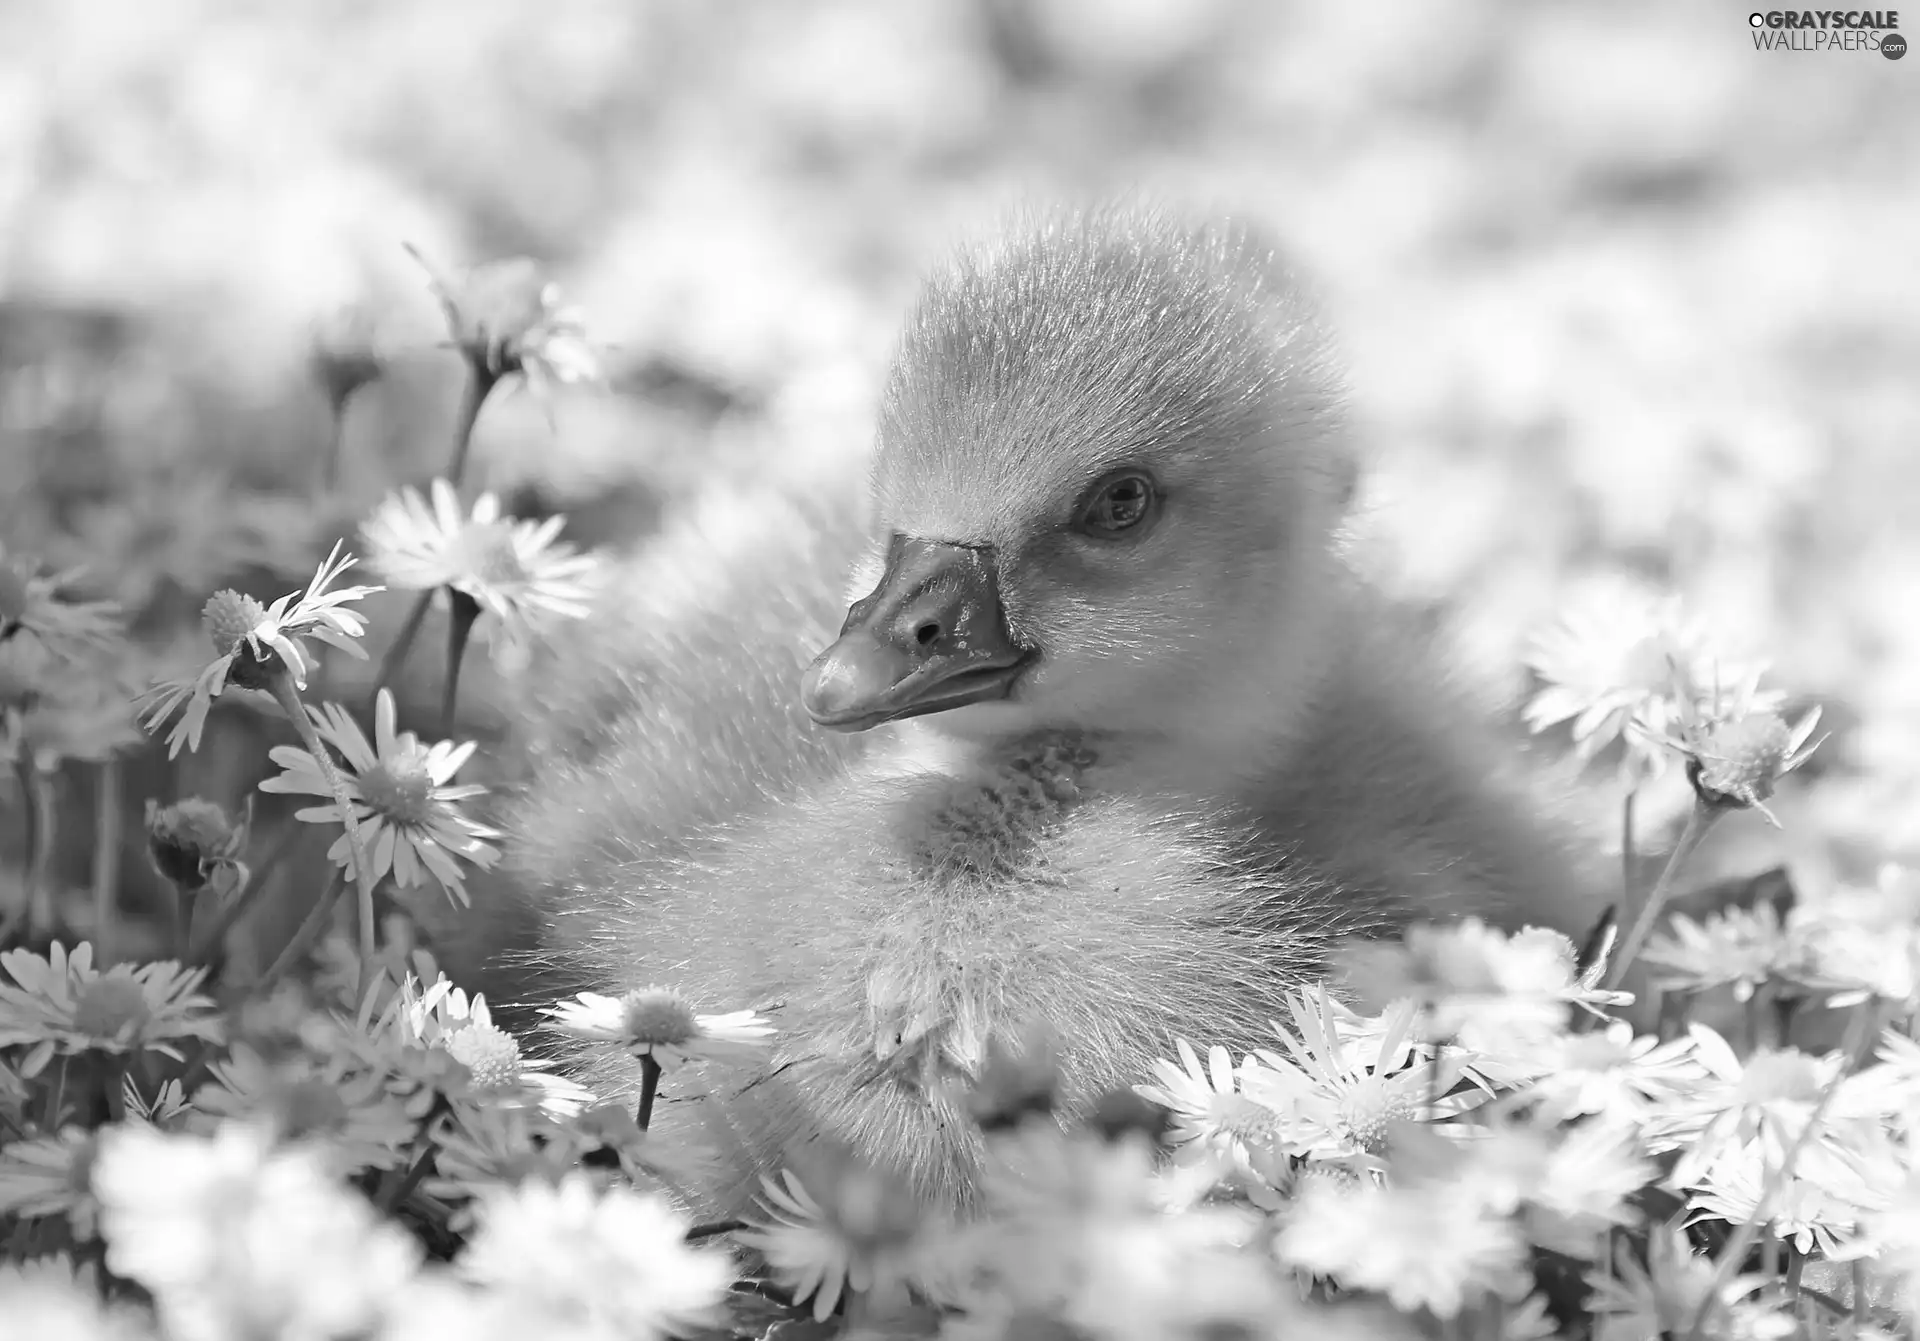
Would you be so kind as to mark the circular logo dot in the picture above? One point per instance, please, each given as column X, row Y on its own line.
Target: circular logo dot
column 1893, row 46
column 1756, row 20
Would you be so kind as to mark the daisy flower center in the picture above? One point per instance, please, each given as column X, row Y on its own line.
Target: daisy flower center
column 1771, row 1076
column 1368, row 1110
column 490, row 1053
column 1240, row 1118
column 659, row 1018
column 107, row 1006
column 491, row 557
column 229, row 617
column 400, row 788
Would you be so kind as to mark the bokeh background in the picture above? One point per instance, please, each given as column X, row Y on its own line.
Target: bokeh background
column 1625, row 300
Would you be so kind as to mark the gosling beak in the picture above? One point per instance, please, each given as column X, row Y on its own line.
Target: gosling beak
column 931, row 636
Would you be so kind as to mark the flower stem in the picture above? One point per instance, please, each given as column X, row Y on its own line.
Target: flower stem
column 480, row 382
column 107, row 817
column 1699, row 820
column 209, row 941
column 1626, row 851
column 397, row 650
column 463, row 610
column 394, row 1195
column 56, row 1100
column 304, row 938
column 39, row 828
column 649, row 1086
column 113, row 1082
column 289, row 695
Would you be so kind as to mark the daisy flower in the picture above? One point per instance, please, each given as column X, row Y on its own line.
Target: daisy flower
column 50, row 1175
column 442, row 1016
column 299, row 1098
column 1569, row 1187
column 597, row 1262
column 59, row 1003
column 516, row 571
column 1422, row 1246
column 35, row 604
column 235, row 1237
column 506, row 317
column 46, row 1297
column 1335, row 1099
column 1210, row 1109
column 658, row 1022
column 1738, row 760
column 1478, row 986
column 1741, row 948
column 254, row 643
column 404, row 800
column 1623, row 665
column 860, row 1236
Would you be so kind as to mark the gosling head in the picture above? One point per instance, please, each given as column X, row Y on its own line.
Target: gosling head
column 1109, row 474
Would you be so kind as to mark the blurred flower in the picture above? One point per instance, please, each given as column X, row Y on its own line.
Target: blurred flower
column 659, row 1022
column 599, row 1263
column 408, row 811
column 50, row 1175
column 1863, row 943
column 345, row 353
column 298, row 1097
column 515, row 571
column 1741, row 948
column 237, row 1238
column 193, row 844
column 53, row 710
column 858, row 1236
column 1210, row 1109
column 1664, row 1296
column 481, row 1149
column 1478, row 985
column 1625, row 665
column 1610, row 1074
column 1569, row 1187
column 46, row 1299
column 1337, row 1099
column 1808, row 1213
column 1770, row 1097
column 1890, row 1239
column 33, row 603
column 253, row 643
column 59, row 1003
column 1423, row 1246
column 506, row 317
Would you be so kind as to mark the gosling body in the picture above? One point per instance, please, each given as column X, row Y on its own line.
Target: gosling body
column 1110, row 742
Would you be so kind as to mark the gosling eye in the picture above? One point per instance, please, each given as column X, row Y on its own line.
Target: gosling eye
column 1123, row 502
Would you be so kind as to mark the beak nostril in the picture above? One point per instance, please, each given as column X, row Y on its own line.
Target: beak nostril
column 927, row 634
